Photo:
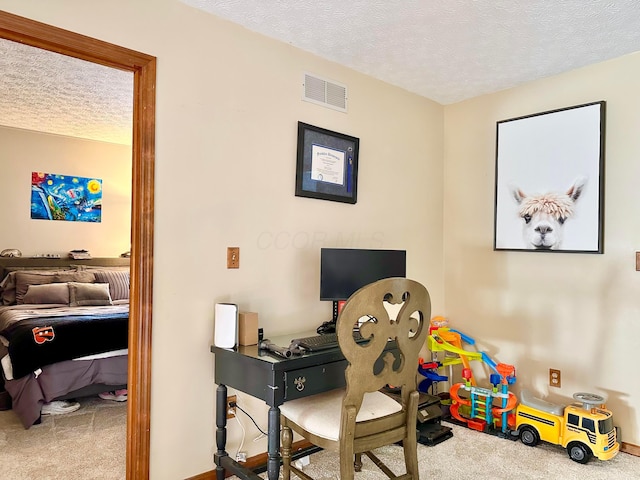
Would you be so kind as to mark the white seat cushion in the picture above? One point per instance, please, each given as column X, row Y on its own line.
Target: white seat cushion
column 320, row 414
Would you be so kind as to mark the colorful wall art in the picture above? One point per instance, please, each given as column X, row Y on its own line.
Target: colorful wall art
column 65, row 197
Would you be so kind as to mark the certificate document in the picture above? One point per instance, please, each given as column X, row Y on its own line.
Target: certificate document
column 327, row 165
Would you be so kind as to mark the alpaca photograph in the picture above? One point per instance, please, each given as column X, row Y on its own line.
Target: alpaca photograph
column 549, row 181
column 543, row 216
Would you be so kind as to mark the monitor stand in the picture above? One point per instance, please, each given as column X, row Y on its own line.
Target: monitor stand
column 336, row 310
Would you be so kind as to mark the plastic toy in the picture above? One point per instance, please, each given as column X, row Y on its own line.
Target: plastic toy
column 481, row 414
column 585, row 429
column 443, row 339
column 478, row 411
column 429, row 370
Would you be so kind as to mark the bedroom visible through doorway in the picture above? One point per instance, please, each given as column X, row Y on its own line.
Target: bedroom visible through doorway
column 143, row 67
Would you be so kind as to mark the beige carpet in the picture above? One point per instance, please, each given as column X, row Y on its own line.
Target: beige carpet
column 471, row 455
column 88, row 444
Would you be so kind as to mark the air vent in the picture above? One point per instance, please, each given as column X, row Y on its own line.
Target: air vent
column 324, row 92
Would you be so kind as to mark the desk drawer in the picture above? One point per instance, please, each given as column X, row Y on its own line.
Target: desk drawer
column 312, row 380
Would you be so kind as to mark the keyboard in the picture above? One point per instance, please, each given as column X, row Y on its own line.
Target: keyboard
column 316, row 343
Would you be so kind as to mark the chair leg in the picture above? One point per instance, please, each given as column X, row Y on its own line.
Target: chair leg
column 346, row 465
column 357, row 464
column 347, row 450
column 285, row 451
column 410, row 447
column 410, row 442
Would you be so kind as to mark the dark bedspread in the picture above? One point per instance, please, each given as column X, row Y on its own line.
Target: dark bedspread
column 37, row 342
column 43, row 336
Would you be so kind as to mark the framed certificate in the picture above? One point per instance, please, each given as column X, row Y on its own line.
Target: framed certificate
column 327, row 164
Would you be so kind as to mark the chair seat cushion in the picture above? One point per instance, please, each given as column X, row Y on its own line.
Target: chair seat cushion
column 320, row 414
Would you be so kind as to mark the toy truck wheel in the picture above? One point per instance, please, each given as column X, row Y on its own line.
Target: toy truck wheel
column 579, row 452
column 529, row 436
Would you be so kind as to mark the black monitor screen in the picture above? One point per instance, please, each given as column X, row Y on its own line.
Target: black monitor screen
column 345, row 270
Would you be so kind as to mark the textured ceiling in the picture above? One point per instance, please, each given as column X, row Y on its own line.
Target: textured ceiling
column 53, row 93
column 446, row 50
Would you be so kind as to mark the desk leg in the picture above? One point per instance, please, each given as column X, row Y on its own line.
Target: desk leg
column 221, row 430
column 273, row 444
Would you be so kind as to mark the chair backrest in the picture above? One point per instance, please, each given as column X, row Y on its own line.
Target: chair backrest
column 370, row 367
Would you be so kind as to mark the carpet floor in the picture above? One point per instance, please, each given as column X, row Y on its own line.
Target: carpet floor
column 88, row 444
column 472, row 455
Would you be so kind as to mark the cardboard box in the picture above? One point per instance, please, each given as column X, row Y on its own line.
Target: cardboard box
column 248, row 328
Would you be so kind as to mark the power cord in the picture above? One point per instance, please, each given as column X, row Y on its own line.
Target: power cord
column 235, row 405
column 242, row 441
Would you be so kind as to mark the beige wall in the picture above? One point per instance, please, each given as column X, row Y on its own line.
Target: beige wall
column 228, row 103
column 23, row 152
column 573, row 312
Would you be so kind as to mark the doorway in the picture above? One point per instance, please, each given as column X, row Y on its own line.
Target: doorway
column 143, row 67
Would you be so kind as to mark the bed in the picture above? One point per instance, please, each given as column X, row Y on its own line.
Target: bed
column 63, row 330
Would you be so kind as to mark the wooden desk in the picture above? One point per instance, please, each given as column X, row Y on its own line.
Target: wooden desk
column 275, row 380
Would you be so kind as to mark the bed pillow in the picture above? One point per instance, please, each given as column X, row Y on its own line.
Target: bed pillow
column 8, row 285
column 8, row 289
column 47, row 293
column 89, row 294
column 78, row 277
column 118, row 281
column 24, row 279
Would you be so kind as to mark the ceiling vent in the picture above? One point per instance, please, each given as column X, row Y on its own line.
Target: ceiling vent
column 324, row 92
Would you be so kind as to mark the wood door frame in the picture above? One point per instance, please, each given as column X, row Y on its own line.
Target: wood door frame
column 30, row 32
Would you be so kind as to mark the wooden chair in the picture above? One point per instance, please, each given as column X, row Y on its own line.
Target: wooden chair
column 360, row 418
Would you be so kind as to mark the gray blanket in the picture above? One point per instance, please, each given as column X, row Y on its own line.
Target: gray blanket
column 58, row 380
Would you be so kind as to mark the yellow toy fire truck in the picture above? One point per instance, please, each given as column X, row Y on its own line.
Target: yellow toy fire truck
column 585, row 429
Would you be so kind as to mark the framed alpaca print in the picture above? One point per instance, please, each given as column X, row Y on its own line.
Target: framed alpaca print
column 549, row 190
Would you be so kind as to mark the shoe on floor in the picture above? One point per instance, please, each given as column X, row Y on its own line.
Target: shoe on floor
column 116, row 396
column 59, row 407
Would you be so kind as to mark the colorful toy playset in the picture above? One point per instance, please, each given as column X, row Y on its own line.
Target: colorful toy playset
column 585, row 429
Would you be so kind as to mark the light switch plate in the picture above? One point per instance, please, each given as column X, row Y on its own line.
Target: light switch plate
column 233, row 257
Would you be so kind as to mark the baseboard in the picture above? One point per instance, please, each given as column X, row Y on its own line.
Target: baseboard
column 630, row 449
column 252, row 463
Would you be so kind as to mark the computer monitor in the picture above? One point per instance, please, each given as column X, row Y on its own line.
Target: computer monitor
column 345, row 270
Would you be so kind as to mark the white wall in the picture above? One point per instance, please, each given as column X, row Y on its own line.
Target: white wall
column 573, row 312
column 228, row 103
column 24, row 152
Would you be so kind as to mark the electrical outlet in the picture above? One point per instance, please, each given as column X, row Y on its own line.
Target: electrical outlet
column 233, row 257
column 231, row 411
column 555, row 378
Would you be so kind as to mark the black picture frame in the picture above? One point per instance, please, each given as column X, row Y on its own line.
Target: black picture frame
column 549, row 187
column 327, row 164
